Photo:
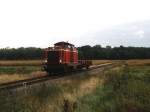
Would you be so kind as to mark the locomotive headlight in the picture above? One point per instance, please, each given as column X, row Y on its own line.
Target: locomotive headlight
column 60, row 60
column 45, row 61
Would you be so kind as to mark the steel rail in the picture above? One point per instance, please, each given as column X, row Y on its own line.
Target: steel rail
column 26, row 82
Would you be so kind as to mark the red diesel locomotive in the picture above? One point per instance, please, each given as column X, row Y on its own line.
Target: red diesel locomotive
column 63, row 57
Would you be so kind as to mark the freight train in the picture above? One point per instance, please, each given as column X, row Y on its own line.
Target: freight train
column 63, row 57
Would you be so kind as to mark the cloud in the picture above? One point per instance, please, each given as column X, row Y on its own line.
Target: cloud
column 131, row 34
column 139, row 33
column 41, row 23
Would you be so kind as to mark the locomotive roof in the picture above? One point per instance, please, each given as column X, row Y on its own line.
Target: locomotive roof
column 63, row 43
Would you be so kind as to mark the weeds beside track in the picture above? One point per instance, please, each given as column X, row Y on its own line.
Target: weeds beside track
column 31, row 81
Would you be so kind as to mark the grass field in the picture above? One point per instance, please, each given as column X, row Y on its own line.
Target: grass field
column 97, row 62
column 13, row 73
column 19, row 69
column 37, row 62
column 138, row 62
column 20, row 62
column 124, row 90
column 121, row 89
column 50, row 98
column 22, row 69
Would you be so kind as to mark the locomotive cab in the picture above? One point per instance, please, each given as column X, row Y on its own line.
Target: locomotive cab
column 62, row 57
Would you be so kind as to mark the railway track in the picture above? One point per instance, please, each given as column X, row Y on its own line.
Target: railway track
column 27, row 82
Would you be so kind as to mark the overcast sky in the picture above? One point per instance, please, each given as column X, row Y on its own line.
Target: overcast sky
column 41, row 23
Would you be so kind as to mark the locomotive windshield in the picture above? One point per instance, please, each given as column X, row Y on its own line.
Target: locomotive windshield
column 53, row 56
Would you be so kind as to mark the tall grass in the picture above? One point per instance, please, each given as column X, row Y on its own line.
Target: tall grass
column 38, row 99
column 126, row 90
column 118, row 90
column 55, row 97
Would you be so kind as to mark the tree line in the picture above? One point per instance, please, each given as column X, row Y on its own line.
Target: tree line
column 85, row 52
column 98, row 52
column 21, row 53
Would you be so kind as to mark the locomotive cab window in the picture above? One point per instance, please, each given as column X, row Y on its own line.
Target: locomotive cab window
column 53, row 56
